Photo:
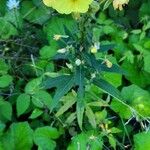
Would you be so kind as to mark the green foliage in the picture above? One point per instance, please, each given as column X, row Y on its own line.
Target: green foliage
column 77, row 81
column 43, row 137
column 142, row 141
column 85, row 140
column 23, row 103
column 19, row 136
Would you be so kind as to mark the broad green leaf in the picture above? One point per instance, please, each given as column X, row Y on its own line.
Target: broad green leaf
column 23, row 103
column 47, row 52
column 43, row 137
column 85, row 140
column 136, row 75
column 91, row 116
column 33, row 86
column 5, row 81
column 121, row 109
column 141, row 141
column 38, row 14
column 144, row 10
column 7, row 29
column 138, row 99
column 36, row 113
column 18, row 137
column 55, row 26
column 5, row 110
column 42, row 99
column 3, row 67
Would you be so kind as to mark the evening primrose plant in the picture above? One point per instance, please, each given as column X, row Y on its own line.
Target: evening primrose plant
column 84, row 56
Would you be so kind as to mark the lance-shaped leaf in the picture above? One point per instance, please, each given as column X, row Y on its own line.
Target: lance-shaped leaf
column 79, row 78
column 99, row 65
column 91, row 116
column 108, row 88
column 70, row 99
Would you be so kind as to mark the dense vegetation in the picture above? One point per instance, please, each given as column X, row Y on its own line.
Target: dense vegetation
column 74, row 74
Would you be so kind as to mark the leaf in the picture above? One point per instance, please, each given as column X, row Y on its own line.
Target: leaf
column 98, row 104
column 62, row 89
column 18, row 137
column 50, row 82
column 33, row 86
column 113, row 78
column 147, row 63
column 62, row 83
column 36, row 113
column 104, row 48
column 108, row 88
column 100, row 116
column 47, row 52
column 99, row 66
column 80, row 106
column 70, row 118
column 141, row 141
column 42, row 99
column 5, row 81
column 112, row 141
column 70, row 100
column 136, row 75
column 121, row 109
column 43, row 137
column 23, row 103
column 13, row 16
column 138, row 99
column 56, row 25
column 7, row 29
column 38, row 14
column 3, row 67
column 91, row 116
column 5, row 110
column 85, row 140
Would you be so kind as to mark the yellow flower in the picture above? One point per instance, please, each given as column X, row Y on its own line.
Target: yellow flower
column 49, row 3
column 69, row 6
column 118, row 4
